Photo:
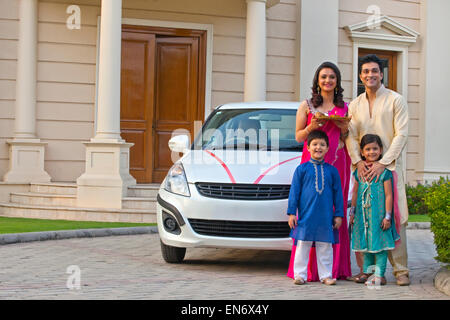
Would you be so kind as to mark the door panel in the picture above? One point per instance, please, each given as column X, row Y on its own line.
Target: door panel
column 389, row 65
column 162, row 89
column 137, row 95
column 176, row 94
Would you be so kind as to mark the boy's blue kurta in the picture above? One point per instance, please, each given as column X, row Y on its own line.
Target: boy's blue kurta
column 315, row 211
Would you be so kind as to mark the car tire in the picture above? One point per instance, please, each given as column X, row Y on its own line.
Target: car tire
column 172, row 254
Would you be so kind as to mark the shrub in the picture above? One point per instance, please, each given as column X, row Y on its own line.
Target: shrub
column 438, row 204
column 415, row 197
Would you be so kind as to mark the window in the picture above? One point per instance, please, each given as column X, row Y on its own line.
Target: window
column 389, row 64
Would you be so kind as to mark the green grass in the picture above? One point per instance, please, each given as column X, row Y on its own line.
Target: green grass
column 20, row 225
column 419, row 218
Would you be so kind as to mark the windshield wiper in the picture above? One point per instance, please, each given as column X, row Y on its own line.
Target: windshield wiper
column 246, row 145
column 291, row 148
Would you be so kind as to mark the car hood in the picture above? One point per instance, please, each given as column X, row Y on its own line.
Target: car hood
column 240, row 166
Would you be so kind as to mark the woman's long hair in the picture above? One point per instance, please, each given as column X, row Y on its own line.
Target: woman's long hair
column 316, row 98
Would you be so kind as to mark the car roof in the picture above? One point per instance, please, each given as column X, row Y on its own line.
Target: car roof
column 261, row 105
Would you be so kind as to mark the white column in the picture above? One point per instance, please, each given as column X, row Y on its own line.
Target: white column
column 107, row 175
column 435, row 112
column 108, row 110
column 255, row 51
column 25, row 121
column 26, row 151
column 319, row 26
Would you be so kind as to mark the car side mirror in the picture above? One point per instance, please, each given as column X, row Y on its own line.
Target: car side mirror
column 179, row 143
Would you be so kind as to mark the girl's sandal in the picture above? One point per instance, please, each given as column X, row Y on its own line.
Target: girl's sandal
column 353, row 278
column 362, row 277
column 373, row 281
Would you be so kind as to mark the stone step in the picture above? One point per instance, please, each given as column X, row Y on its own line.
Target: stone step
column 77, row 214
column 143, row 190
column 63, row 200
column 139, row 203
column 44, row 199
column 54, row 188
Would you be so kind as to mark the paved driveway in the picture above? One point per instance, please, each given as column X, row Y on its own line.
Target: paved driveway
column 131, row 267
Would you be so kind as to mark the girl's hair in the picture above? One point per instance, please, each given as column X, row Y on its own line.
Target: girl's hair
column 316, row 98
column 370, row 138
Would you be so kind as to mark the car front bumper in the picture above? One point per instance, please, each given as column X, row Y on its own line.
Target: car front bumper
column 199, row 207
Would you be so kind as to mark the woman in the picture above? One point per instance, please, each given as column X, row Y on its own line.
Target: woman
column 327, row 98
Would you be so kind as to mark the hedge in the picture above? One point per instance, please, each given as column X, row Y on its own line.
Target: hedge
column 437, row 201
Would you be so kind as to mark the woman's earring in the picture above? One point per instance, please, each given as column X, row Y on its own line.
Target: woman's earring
column 318, row 89
column 336, row 90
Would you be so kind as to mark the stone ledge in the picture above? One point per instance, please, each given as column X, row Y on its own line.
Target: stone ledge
column 68, row 234
column 418, row 225
column 442, row 280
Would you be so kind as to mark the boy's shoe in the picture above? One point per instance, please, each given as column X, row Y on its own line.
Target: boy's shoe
column 299, row 280
column 329, row 281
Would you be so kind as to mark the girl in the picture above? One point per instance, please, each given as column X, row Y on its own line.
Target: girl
column 371, row 214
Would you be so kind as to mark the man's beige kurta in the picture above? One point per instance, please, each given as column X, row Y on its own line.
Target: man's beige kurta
column 389, row 120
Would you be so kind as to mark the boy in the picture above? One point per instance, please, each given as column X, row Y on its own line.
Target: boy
column 317, row 196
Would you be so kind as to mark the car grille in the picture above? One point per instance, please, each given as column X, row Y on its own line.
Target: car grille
column 237, row 191
column 241, row 229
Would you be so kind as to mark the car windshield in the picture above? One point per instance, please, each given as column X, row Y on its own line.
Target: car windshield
column 250, row 129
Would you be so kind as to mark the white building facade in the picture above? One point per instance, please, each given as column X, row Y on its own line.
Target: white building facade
column 91, row 90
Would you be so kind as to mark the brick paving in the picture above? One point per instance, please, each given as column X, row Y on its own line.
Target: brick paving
column 131, row 267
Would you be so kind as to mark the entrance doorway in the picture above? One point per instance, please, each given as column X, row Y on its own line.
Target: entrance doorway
column 162, row 89
column 389, row 68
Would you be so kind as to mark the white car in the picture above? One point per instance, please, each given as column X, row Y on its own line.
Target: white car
column 230, row 188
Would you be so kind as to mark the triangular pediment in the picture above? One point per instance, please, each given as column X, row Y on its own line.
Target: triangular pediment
column 383, row 28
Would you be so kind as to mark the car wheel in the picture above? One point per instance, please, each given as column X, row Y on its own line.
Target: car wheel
column 172, row 254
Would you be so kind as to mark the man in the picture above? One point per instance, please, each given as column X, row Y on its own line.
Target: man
column 383, row 112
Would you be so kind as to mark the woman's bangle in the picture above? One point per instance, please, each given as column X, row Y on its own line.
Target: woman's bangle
column 307, row 130
column 388, row 216
column 352, row 211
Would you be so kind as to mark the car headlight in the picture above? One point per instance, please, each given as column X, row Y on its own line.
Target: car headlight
column 176, row 181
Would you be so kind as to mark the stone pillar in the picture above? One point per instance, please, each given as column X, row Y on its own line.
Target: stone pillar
column 26, row 151
column 107, row 177
column 255, row 51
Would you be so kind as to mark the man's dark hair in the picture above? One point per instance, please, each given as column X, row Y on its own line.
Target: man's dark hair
column 317, row 134
column 369, row 58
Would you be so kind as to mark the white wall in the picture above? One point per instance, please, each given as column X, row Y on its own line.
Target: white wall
column 436, row 71
column 318, row 39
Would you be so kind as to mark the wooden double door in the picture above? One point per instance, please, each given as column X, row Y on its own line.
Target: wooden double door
column 162, row 89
